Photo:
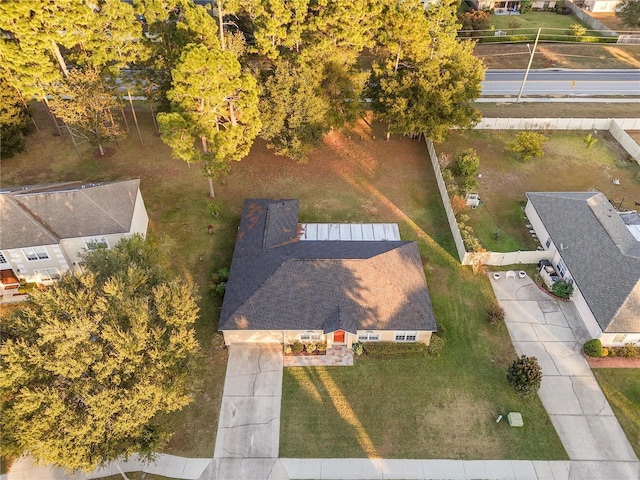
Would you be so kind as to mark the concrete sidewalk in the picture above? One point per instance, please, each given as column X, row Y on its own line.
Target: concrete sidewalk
column 551, row 331
column 165, row 465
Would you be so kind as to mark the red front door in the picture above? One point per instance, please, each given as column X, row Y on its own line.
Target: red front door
column 338, row 336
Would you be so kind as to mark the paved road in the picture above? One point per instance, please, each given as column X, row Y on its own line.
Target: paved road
column 563, row 82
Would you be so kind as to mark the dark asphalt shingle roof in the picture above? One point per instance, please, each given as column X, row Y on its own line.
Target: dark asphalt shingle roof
column 599, row 251
column 45, row 214
column 277, row 282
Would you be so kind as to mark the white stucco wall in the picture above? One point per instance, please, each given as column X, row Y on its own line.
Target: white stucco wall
column 140, row 219
column 27, row 269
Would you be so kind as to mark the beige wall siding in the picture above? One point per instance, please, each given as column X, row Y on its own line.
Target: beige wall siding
column 252, row 336
column 389, row 335
column 610, row 340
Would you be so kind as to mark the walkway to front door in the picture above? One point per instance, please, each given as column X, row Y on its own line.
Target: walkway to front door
column 337, row 356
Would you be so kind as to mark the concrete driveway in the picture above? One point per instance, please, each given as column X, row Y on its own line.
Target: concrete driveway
column 551, row 331
column 248, row 438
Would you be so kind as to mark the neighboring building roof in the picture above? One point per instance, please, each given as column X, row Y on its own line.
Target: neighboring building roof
column 277, row 282
column 45, row 214
column 599, row 251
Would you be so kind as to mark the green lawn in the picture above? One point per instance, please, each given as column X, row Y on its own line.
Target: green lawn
column 621, row 386
column 567, row 165
column 352, row 177
column 534, row 20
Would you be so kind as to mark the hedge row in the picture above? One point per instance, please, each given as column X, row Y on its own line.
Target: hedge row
column 393, row 349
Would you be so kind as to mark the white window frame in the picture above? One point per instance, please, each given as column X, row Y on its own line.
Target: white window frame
column 620, row 338
column 40, row 253
column 48, row 275
column 369, row 336
column 93, row 243
column 561, row 268
column 406, row 336
column 310, row 336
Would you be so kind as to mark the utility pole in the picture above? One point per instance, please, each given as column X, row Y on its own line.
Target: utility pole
column 526, row 74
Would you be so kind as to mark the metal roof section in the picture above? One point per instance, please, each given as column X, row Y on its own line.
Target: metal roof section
column 349, row 232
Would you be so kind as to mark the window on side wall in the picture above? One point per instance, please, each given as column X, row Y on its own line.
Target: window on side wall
column 48, row 274
column 561, row 268
column 620, row 338
column 310, row 335
column 406, row 336
column 548, row 243
column 93, row 243
column 35, row 253
column 369, row 336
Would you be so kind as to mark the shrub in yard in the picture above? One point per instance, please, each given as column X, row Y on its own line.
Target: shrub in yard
column 393, row 349
column 358, row 348
column 288, row 349
column 435, row 345
column 593, row 348
column 215, row 208
column 310, row 347
column 528, row 145
column 469, row 185
column 458, row 204
column 589, row 140
column 628, row 351
column 562, row 288
column 473, row 20
column 576, row 30
column 525, row 375
column 605, row 352
column 322, row 347
column 612, row 352
column 515, row 23
column 467, row 163
column 495, row 313
column 297, row 347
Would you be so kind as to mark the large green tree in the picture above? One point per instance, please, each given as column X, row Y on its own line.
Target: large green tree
column 293, row 110
column 91, row 361
column 214, row 103
column 15, row 121
column 424, row 80
column 85, row 102
column 629, row 13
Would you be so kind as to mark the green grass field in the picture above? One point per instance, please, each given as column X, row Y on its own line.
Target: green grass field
column 550, row 22
column 430, row 408
column 621, row 386
column 567, row 165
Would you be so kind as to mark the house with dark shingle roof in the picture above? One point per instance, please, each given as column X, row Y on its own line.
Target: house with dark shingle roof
column 44, row 228
column 284, row 286
column 594, row 248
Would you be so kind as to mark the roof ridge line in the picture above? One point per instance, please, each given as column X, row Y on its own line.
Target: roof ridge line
column 36, row 219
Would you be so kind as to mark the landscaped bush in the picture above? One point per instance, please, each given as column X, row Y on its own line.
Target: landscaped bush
column 435, row 345
column 562, row 288
column 628, row 351
column 297, row 347
column 468, row 185
column 322, row 347
column 593, row 348
column 525, row 375
column 467, row 163
column 393, row 349
column 358, row 348
column 528, row 145
column 288, row 349
column 576, row 30
column 495, row 313
column 311, row 347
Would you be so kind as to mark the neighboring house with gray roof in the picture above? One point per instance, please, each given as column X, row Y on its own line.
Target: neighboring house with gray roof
column 284, row 287
column 44, row 228
column 595, row 248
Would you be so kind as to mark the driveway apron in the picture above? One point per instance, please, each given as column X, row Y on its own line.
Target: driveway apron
column 551, row 330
